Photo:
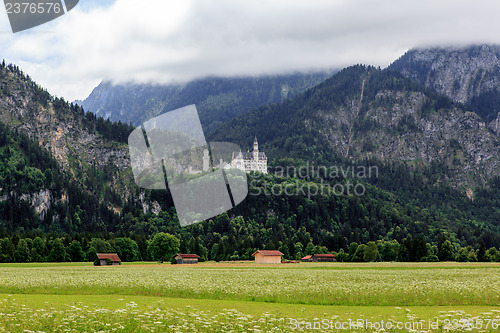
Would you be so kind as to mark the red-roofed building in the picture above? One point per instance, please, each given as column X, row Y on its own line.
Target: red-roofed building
column 327, row 257
column 113, row 257
column 319, row 258
column 307, row 258
column 186, row 258
column 267, row 257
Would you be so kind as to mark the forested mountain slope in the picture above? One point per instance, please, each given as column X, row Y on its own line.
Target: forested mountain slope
column 365, row 113
column 57, row 161
column 65, row 174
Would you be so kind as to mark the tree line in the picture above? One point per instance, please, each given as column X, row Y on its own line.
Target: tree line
column 163, row 246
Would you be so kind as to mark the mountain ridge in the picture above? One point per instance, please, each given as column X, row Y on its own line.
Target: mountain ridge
column 218, row 99
column 469, row 74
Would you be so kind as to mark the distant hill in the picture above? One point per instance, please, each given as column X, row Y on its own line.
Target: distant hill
column 217, row 99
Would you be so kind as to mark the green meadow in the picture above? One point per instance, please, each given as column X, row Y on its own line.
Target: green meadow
column 243, row 297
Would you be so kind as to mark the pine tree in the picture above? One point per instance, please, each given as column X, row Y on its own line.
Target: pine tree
column 481, row 252
column 22, row 253
column 371, row 252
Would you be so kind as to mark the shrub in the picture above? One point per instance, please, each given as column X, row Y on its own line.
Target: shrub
column 432, row 258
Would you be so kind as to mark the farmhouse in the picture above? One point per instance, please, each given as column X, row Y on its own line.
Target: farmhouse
column 267, row 257
column 186, row 258
column 113, row 257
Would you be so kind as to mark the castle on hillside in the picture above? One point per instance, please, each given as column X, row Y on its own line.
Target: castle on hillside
column 250, row 161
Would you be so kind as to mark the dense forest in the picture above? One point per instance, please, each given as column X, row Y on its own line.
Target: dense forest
column 297, row 224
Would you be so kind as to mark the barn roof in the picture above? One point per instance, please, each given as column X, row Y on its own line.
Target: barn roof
column 111, row 256
column 326, row 255
column 268, row 253
column 306, row 257
column 188, row 256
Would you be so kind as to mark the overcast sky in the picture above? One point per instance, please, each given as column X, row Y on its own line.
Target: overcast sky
column 164, row 41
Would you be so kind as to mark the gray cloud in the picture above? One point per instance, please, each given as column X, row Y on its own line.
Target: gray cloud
column 164, row 41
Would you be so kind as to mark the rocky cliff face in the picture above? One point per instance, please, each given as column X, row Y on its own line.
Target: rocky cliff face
column 495, row 125
column 59, row 130
column 469, row 75
column 41, row 201
column 459, row 73
column 403, row 130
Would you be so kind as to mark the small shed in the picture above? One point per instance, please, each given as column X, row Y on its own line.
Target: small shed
column 327, row 257
column 113, row 257
column 186, row 258
column 307, row 258
column 267, row 257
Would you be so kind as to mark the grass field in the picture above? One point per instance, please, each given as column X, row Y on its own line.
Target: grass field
column 243, row 297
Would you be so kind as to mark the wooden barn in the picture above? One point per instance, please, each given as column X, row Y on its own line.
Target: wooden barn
column 186, row 258
column 113, row 257
column 307, row 258
column 328, row 257
column 267, row 257
column 319, row 258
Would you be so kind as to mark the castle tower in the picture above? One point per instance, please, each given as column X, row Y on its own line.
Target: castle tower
column 206, row 160
column 251, row 160
column 255, row 149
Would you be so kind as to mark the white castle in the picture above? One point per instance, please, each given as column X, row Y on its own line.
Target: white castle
column 250, row 161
